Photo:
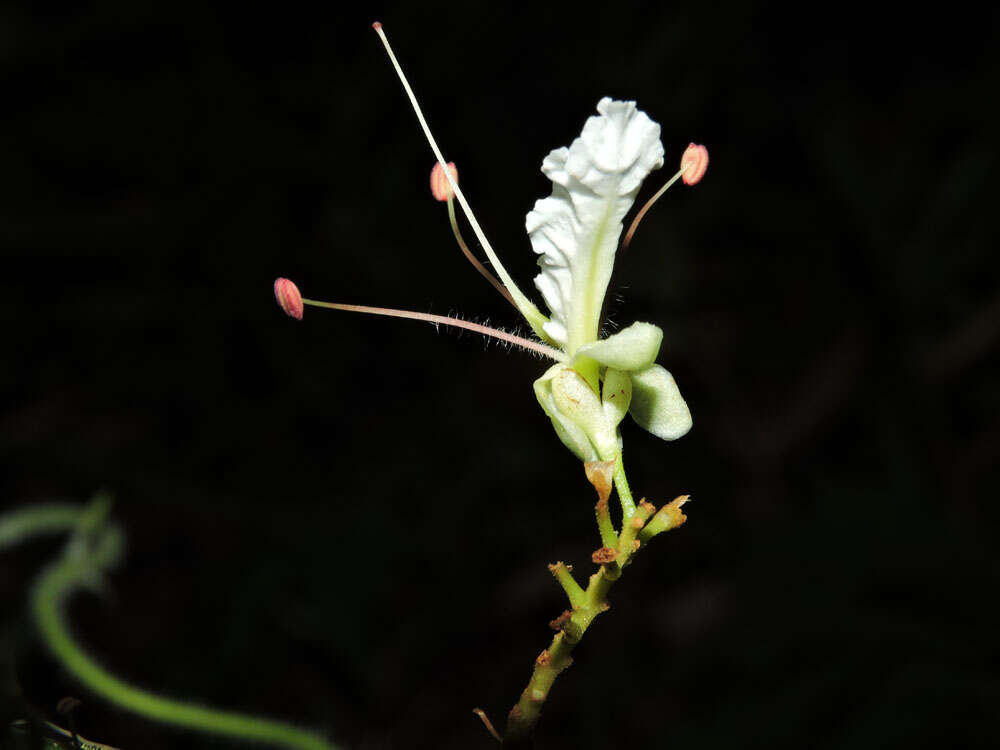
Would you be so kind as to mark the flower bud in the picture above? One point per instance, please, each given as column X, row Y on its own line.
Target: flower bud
column 694, row 162
column 288, row 297
column 440, row 187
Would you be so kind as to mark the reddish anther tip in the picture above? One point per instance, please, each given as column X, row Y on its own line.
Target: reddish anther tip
column 288, row 297
column 440, row 187
column 694, row 162
column 377, row 25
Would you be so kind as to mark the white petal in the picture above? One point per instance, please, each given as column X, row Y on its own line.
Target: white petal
column 576, row 229
column 657, row 404
column 633, row 348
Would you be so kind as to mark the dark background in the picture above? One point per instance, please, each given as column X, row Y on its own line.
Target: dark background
column 345, row 522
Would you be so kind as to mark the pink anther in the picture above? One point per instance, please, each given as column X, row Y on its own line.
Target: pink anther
column 694, row 162
column 288, row 297
column 440, row 187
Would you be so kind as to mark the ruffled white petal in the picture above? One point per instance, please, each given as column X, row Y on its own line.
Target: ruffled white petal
column 576, row 229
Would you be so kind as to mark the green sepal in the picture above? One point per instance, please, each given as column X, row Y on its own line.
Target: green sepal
column 633, row 348
column 578, row 402
column 571, row 435
column 657, row 404
column 616, row 396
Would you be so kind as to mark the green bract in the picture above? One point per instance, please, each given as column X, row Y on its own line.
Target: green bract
column 576, row 232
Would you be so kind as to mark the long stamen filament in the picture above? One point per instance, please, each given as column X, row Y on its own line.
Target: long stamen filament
column 528, row 309
column 545, row 351
column 649, row 204
column 472, row 258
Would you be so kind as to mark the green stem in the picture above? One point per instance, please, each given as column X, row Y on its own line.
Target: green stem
column 627, row 545
column 553, row 660
column 53, row 518
column 564, row 576
column 52, row 589
column 572, row 625
column 609, row 537
column 624, row 493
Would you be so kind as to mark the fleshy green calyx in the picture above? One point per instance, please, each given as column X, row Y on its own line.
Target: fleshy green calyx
column 588, row 421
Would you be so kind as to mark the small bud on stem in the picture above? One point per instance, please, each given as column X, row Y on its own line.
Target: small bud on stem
column 668, row 517
column 604, row 555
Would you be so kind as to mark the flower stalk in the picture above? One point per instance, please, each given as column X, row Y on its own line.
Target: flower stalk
column 585, row 605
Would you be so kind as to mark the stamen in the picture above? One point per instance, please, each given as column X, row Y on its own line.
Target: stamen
column 534, row 346
column 694, row 162
column 649, row 205
column 526, row 306
column 288, row 297
column 442, row 191
column 472, row 258
column 440, row 187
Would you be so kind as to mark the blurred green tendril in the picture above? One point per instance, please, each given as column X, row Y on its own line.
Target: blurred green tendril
column 95, row 546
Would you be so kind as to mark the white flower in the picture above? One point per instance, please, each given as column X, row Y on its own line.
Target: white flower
column 576, row 232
